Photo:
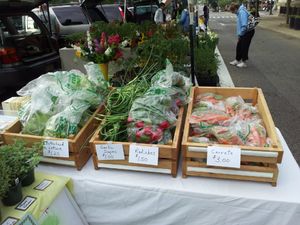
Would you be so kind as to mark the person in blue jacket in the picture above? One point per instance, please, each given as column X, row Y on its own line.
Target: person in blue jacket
column 185, row 20
column 244, row 36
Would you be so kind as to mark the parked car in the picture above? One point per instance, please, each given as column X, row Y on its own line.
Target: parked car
column 115, row 13
column 73, row 18
column 144, row 10
column 27, row 49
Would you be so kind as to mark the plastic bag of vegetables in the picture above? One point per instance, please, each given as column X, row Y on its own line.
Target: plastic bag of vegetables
column 176, row 81
column 150, row 116
column 66, row 123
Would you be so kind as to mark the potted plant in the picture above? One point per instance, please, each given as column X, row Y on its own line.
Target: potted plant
column 10, row 158
column 4, row 180
column 21, row 160
column 30, row 158
column 206, row 66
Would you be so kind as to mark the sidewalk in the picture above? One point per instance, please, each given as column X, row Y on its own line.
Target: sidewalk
column 277, row 23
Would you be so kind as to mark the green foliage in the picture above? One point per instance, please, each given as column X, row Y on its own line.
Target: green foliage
column 206, row 61
column 19, row 158
column 159, row 48
column 4, row 178
column 78, row 37
column 223, row 3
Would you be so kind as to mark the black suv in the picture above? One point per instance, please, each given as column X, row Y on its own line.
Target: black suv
column 27, row 49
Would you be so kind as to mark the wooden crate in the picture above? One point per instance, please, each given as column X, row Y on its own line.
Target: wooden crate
column 258, row 159
column 168, row 154
column 78, row 146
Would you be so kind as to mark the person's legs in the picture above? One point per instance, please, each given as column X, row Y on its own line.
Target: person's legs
column 248, row 38
column 238, row 53
column 243, row 48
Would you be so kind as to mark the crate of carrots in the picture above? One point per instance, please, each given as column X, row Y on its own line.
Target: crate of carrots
column 230, row 119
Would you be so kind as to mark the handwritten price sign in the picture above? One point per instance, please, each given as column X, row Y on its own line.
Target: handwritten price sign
column 56, row 148
column 110, row 152
column 143, row 154
column 224, row 156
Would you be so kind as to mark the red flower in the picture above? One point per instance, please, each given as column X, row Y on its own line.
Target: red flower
column 114, row 39
column 149, row 33
column 119, row 54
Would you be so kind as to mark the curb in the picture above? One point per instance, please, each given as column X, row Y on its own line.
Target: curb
column 224, row 75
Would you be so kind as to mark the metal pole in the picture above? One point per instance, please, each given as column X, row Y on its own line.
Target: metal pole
column 288, row 4
column 125, row 10
column 191, row 35
column 257, row 7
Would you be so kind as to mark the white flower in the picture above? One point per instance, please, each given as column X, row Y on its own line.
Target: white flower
column 89, row 41
column 124, row 43
column 108, row 51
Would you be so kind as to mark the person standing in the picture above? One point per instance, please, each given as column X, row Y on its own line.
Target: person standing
column 159, row 14
column 244, row 36
column 185, row 20
column 206, row 14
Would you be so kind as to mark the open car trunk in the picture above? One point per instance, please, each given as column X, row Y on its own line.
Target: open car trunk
column 19, row 5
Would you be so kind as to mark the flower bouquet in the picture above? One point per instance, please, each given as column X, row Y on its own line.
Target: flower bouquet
column 100, row 50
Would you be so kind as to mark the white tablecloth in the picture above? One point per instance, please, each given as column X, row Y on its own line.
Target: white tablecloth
column 136, row 198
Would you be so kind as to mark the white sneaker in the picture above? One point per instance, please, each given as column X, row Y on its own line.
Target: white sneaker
column 234, row 62
column 241, row 65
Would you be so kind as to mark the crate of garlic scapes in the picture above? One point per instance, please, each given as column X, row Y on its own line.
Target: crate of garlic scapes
column 141, row 129
column 229, row 133
column 61, row 114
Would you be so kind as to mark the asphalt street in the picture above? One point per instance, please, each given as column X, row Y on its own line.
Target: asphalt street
column 274, row 66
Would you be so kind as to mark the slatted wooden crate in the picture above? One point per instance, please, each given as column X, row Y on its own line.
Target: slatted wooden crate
column 78, row 145
column 168, row 154
column 257, row 163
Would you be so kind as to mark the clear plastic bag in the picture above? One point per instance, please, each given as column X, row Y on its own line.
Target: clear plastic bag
column 65, row 123
column 95, row 75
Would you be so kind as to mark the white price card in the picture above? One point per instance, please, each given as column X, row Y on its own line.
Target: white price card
column 143, row 154
column 56, row 148
column 224, row 156
column 110, row 152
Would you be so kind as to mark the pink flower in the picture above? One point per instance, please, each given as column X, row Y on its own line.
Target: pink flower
column 114, row 39
column 103, row 40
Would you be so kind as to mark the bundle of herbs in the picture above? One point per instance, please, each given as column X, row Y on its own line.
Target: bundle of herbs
column 119, row 102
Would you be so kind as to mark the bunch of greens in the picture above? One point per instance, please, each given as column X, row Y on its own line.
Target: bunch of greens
column 119, row 102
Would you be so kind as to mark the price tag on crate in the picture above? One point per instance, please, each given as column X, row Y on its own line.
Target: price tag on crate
column 110, row 152
column 56, row 148
column 143, row 154
column 224, row 156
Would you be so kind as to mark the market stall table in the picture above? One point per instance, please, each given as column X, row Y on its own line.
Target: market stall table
column 46, row 201
column 124, row 197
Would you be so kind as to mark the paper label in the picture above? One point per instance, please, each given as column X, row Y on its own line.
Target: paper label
column 110, row 152
column 43, row 185
column 56, row 148
column 224, row 156
column 6, row 121
column 143, row 154
column 9, row 221
column 26, row 203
